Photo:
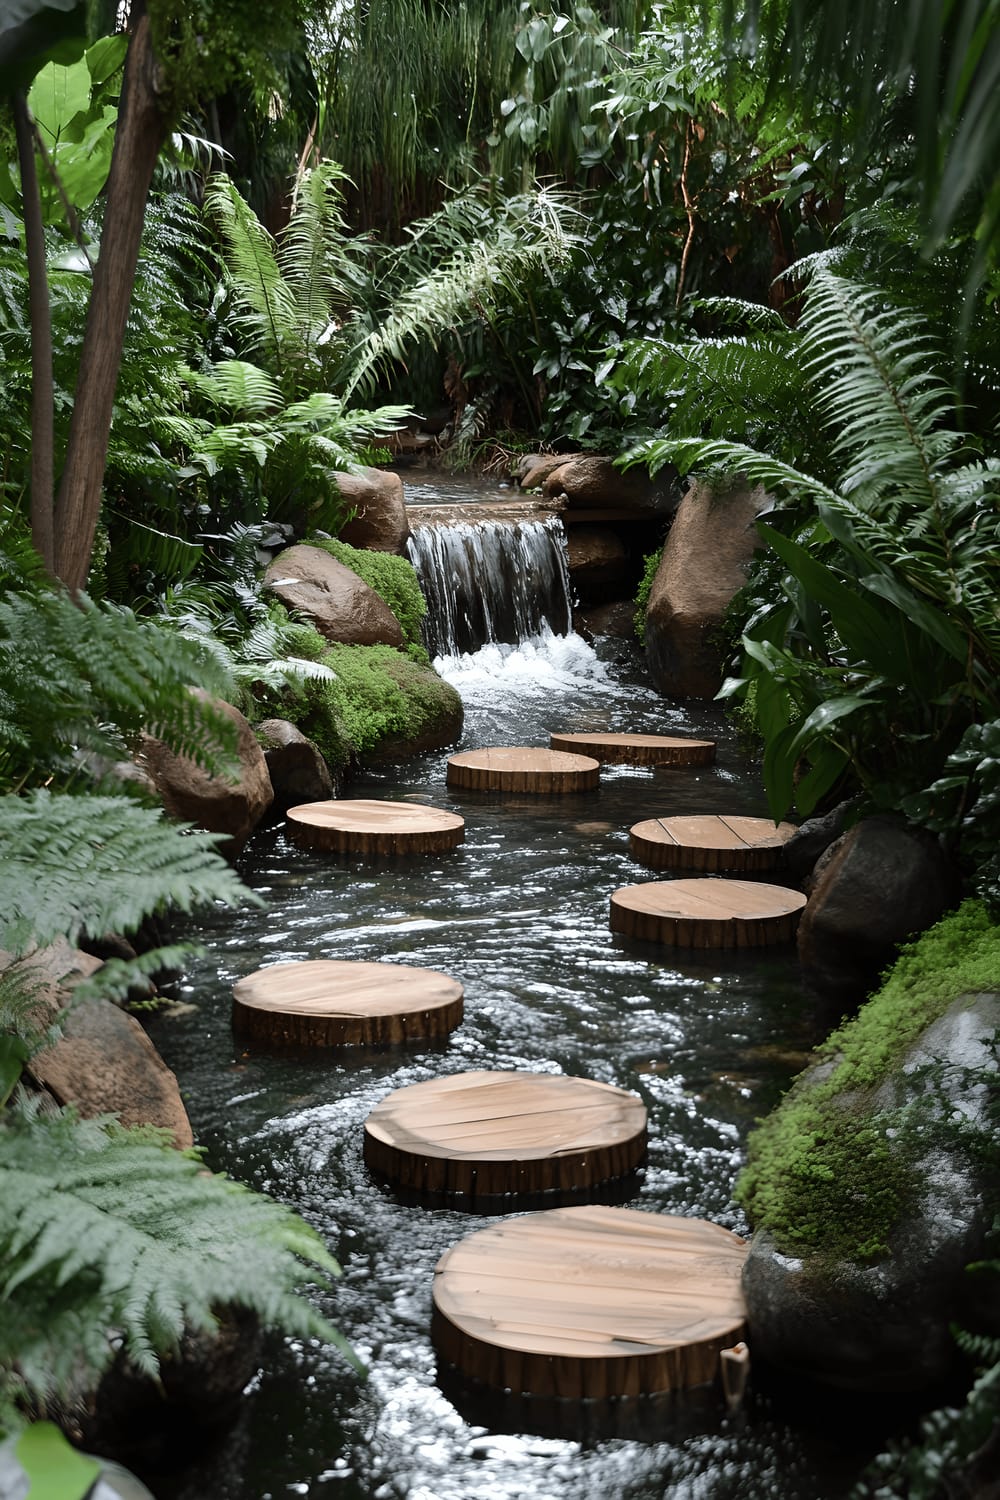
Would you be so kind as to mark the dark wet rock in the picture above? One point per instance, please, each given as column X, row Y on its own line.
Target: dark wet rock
column 813, row 838
column 704, row 564
column 616, row 619
column 380, row 522
column 333, row 598
column 878, row 884
column 297, row 770
column 231, row 805
column 598, row 563
column 535, row 468
column 887, row 1326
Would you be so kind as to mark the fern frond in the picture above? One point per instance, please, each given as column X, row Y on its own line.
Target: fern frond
column 100, row 864
column 690, row 454
column 312, row 254
column 105, row 1227
column 266, row 300
column 238, row 386
column 876, row 385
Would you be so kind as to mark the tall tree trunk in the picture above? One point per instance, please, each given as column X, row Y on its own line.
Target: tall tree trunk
column 139, row 135
column 42, row 423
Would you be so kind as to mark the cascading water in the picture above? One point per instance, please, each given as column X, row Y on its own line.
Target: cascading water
column 491, row 581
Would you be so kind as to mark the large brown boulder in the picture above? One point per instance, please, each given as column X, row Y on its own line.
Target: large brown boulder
column 297, row 770
column 590, row 482
column 232, row 805
column 877, row 885
column 598, row 563
column 104, row 1063
column 703, row 565
column 339, row 603
column 380, row 522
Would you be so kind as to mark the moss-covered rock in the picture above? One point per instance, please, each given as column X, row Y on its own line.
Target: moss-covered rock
column 392, row 578
column 875, row 1181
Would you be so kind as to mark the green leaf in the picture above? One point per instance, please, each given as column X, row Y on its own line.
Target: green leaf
column 780, row 762
column 55, row 1470
column 14, row 1053
column 828, row 764
column 820, row 720
column 58, row 94
column 105, row 57
column 82, row 166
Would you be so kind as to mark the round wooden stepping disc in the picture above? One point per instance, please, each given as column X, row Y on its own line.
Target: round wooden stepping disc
column 356, row 826
column 590, row 1302
column 707, row 913
column 709, row 842
column 638, row 749
column 484, row 1134
column 511, row 768
column 329, row 1002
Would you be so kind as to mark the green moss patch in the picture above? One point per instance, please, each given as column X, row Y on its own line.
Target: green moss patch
column 829, row 1171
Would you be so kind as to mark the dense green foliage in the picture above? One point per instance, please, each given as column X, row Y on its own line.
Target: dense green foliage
column 827, row 1171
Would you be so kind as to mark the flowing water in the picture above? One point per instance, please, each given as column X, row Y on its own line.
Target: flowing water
column 519, row 913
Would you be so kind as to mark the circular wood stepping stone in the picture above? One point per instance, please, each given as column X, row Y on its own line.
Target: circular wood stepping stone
column 330, row 1002
column 638, row 749
column 487, row 1134
column 357, row 826
column 510, row 768
column 707, row 913
column 709, row 842
column 590, row 1302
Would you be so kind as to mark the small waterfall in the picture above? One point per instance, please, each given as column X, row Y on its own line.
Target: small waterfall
column 491, row 581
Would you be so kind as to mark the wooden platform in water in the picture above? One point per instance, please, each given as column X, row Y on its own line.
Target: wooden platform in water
column 638, row 749
column 587, row 1303
column 515, row 768
column 707, row 913
column 329, row 1002
column 710, row 842
column 490, row 1134
column 369, row 827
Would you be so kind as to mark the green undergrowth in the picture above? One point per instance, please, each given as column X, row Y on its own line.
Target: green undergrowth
column 380, row 699
column 829, row 1172
column 392, row 578
column 650, row 564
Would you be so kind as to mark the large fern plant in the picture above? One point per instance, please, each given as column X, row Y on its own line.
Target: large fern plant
column 876, row 643
column 108, row 1235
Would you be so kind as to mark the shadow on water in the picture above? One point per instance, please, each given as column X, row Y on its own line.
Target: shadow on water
column 519, row 913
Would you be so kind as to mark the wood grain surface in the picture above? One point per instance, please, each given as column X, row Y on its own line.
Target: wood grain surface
column 638, row 749
column 370, row 827
column 521, row 768
column 710, row 842
column 707, row 913
column 337, row 1003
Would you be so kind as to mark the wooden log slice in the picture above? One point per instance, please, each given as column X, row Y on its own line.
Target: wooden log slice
column 331, row 1002
column 511, row 768
column 359, row 826
column 481, row 1135
column 638, row 749
column 588, row 1303
column 710, row 842
column 707, row 913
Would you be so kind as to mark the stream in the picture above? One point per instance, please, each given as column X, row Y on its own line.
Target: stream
column 518, row 913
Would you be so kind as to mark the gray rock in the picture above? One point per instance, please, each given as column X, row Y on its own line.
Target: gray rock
column 380, row 522
column 813, row 838
column 877, row 885
column 339, row 603
column 295, row 765
column 703, row 565
column 229, row 805
column 887, row 1327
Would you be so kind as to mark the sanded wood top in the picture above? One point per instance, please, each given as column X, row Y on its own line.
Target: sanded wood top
column 707, row 913
column 709, row 842
column 488, row 1133
column 638, row 749
column 591, row 1302
column 522, row 768
column 336, row 1002
column 369, row 826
